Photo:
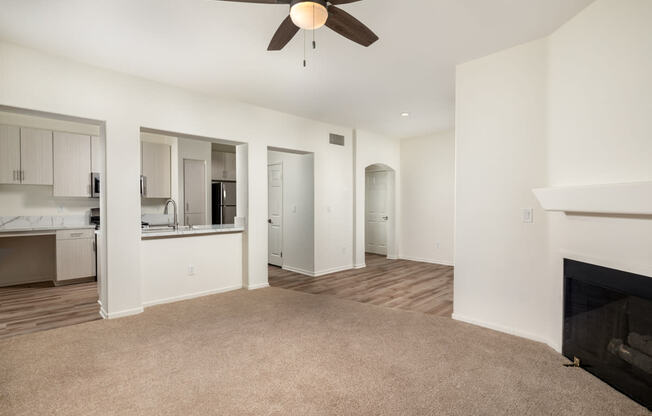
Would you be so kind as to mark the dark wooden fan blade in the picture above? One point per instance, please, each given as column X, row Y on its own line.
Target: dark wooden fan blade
column 349, row 27
column 283, row 35
column 342, row 1
column 261, row 1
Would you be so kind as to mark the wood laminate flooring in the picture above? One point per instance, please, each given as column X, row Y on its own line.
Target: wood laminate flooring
column 36, row 307
column 398, row 284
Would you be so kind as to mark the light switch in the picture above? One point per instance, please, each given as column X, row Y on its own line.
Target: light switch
column 528, row 215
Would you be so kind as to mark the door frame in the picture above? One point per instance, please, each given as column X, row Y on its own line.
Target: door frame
column 270, row 164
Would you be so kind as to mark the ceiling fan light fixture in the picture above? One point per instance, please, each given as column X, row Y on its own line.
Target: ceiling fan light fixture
column 309, row 15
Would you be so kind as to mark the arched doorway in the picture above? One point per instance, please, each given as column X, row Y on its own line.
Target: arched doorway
column 380, row 211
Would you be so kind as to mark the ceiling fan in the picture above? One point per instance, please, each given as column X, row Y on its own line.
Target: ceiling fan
column 313, row 14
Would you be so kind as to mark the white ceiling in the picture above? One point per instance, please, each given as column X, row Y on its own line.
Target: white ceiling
column 219, row 47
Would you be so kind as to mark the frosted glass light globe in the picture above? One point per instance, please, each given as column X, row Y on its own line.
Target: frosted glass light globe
column 309, row 15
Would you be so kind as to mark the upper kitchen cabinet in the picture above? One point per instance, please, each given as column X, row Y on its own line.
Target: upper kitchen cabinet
column 36, row 156
column 72, row 165
column 156, row 170
column 9, row 154
column 25, row 156
column 223, row 166
column 229, row 166
column 97, row 155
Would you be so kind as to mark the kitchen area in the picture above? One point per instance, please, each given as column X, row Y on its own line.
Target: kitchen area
column 186, row 182
column 50, row 176
column 52, row 220
column 191, row 237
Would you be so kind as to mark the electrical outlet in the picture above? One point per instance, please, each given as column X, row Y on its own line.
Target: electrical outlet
column 528, row 215
column 191, row 270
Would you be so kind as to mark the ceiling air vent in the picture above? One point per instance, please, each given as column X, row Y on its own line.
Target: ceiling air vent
column 337, row 139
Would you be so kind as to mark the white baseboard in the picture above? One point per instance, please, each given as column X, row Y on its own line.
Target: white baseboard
column 360, row 266
column 333, row 270
column 422, row 260
column 507, row 330
column 298, row 270
column 191, row 296
column 257, row 286
column 392, row 257
column 121, row 314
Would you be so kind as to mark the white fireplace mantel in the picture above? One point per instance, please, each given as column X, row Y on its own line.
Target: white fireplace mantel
column 633, row 198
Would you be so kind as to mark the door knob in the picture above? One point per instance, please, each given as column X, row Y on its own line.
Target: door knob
column 269, row 220
column 386, row 218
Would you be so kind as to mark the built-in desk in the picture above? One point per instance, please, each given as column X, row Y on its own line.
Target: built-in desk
column 47, row 253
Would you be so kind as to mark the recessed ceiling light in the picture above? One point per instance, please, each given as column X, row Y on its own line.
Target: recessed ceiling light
column 405, row 114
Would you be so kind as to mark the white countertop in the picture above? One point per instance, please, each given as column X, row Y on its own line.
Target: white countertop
column 192, row 231
column 46, row 228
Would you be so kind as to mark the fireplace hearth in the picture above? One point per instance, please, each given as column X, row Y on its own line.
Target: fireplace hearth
column 608, row 326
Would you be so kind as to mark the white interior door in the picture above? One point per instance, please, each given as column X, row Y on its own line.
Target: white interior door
column 275, row 214
column 376, row 212
column 194, row 192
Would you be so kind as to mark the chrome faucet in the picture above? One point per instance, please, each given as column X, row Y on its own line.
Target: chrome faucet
column 165, row 211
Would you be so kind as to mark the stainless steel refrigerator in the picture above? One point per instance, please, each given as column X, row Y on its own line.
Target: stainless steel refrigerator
column 223, row 204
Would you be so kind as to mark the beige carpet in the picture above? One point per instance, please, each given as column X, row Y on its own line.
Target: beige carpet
column 279, row 352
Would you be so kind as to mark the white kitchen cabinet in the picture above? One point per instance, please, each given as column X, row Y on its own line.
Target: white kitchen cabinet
column 223, row 166
column 97, row 155
column 72, row 165
column 75, row 254
column 156, row 170
column 194, row 191
column 217, row 166
column 36, row 156
column 229, row 166
column 9, row 154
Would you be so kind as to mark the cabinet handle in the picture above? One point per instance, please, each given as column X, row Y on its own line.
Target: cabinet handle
column 75, row 234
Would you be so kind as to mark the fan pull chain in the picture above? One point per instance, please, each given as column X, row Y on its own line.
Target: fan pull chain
column 314, row 44
column 304, row 48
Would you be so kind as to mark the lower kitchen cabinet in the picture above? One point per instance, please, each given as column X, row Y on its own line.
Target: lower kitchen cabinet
column 75, row 254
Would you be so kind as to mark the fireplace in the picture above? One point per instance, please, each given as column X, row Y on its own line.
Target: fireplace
column 608, row 326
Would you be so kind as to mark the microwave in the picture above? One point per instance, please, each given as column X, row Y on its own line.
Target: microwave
column 95, row 185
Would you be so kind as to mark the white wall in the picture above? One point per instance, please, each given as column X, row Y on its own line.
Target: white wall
column 500, row 262
column 298, row 210
column 428, row 198
column 371, row 148
column 570, row 109
column 196, row 150
column 127, row 103
column 216, row 261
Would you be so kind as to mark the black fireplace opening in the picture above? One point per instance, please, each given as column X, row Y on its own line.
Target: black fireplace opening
column 608, row 326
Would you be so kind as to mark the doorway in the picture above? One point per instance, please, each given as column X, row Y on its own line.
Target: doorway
column 379, row 211
column 291, row 210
